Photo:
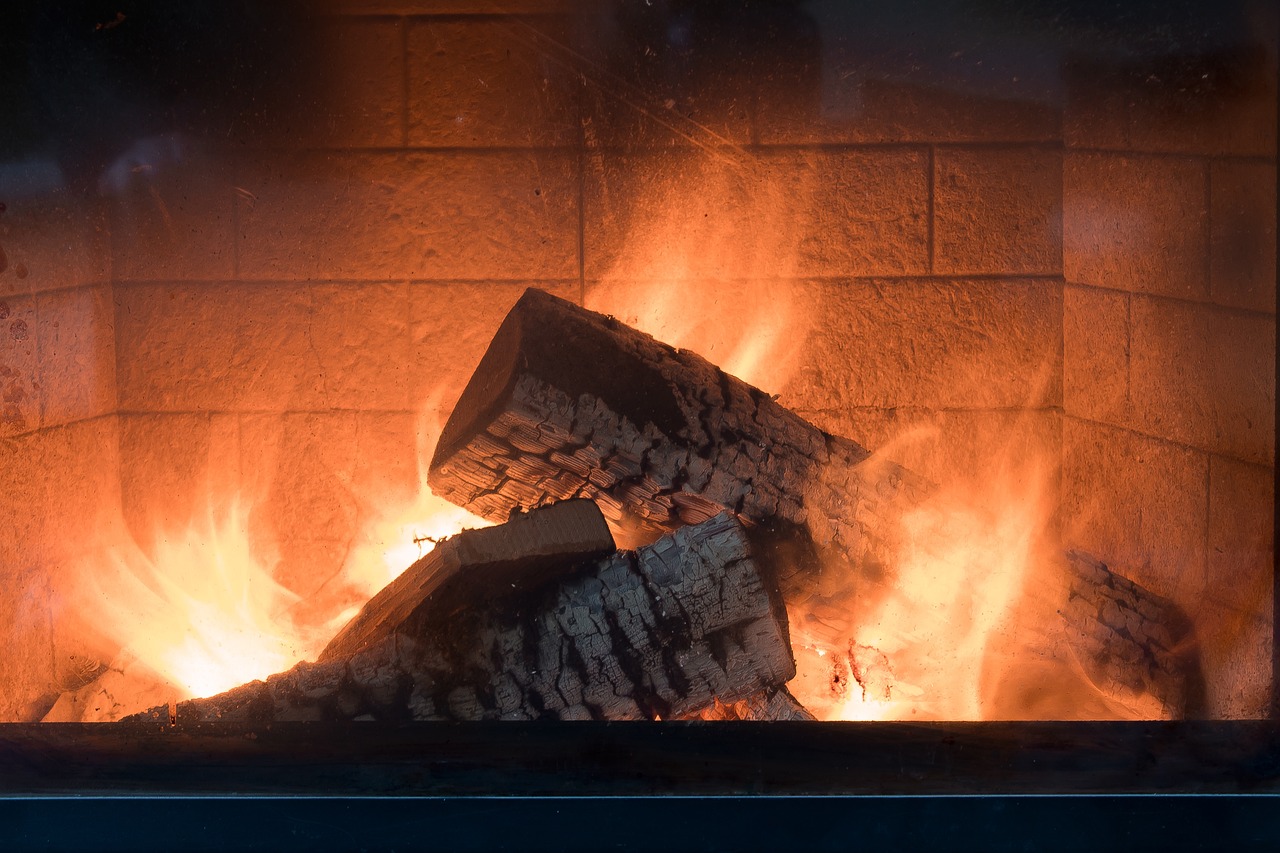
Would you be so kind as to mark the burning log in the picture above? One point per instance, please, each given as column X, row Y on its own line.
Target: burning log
column 665, row 631
column 521, row 555
column 1131, row 643
column 570, row 403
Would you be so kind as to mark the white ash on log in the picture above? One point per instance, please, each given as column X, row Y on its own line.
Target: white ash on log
column 665, row 631
column 1130, row 642
column 571, row 403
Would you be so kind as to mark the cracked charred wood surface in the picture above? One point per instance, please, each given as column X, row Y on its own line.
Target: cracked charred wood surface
column 1130, row 642
column 474, row 565
column 571, row 403
column 661, row 632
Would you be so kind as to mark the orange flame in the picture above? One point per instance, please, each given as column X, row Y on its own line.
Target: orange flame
column 918, row 645
column 398, row 536
column 708, row 264
column 202, row 612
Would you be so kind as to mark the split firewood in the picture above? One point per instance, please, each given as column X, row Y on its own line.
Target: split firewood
column 571, row 403
column 1132, row 644
column 479, row 564
column 662, row 632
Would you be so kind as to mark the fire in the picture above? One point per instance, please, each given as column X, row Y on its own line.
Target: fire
column 398, row 536
column 917, row 644
column 201, row 611
column 717, row 278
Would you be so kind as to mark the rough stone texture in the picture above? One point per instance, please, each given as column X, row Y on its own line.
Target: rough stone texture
column 1095, row 354
column 1242, row 270
column 77, row 354
column 728, row 215
column 1237, row 652
column 164, row 471
column 49, row 238
column 363, row 100
column 474, row 215
column 58, row 483
column 318, row 478
column 856, row 105
column 1220, row 103
column 264, row 346
column 955, row 448
column 172, row 213
column 451, row 324
column 492, row 82
column 19, row 374
column 941, row 343
column 1204, row 376
column 1137, row 502
column 26, row 676
column 665, row 631
column 1241, row 545
column 358, row 338
column 997, row 210
column 254, row 350
column 1136, row 223
column 643, row 89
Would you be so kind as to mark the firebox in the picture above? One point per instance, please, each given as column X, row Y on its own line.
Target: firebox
column 912, row 365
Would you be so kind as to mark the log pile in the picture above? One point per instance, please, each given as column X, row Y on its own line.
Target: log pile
column 576, row 430
column 570, row 403
column 663, row 632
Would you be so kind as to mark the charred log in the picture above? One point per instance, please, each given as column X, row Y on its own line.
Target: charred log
column 1130, row 642
column 661, row 632
column 475, row 565
column 570, row 403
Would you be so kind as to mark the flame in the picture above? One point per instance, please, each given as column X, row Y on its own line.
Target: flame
column 399, row 536
column 709, row 264
column 917, row 643
column 201, row 611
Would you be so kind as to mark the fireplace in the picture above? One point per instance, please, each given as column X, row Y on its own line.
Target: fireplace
column 250, row 257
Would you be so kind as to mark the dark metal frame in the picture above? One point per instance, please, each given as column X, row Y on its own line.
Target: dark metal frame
column 671, row 786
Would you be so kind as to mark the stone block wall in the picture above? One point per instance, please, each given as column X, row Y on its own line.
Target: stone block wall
column 1169, row 338
column 58, row 427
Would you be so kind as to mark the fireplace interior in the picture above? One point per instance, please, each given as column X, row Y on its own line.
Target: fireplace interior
column 251, row 255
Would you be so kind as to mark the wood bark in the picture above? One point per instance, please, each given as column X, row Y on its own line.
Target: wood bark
column 664, row 631
column 1131, row 642
column 570, row 403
